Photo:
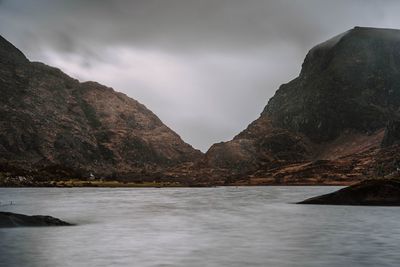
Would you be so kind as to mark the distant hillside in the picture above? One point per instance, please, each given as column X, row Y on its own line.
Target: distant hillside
column 53, row 124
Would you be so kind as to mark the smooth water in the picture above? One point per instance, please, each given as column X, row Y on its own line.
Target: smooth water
column 224, row 226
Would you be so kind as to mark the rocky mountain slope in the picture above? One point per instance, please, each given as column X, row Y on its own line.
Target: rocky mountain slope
column 336, row 123
column 51, row 124
column 330, row 121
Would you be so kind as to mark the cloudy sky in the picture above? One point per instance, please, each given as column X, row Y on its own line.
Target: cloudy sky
column 205, row 67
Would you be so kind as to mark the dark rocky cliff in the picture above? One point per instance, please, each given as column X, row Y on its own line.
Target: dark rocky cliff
column 349, row 82
column 51, row 123
column 339, row 105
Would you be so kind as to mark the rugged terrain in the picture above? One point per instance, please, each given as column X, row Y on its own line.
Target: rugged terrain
column 336, row 123
column 53, row 126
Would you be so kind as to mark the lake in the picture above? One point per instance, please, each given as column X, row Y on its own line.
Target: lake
column 222, row 226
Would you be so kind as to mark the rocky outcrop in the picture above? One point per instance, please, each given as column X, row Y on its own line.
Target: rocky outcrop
column 339, row 106
column 370, row 192
column 9, row 219
column 53, row 125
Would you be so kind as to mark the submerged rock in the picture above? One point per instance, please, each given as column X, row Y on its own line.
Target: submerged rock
column 384, row 192
column 9, row 219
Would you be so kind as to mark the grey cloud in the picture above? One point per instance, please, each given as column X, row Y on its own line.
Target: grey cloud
column 185, row 24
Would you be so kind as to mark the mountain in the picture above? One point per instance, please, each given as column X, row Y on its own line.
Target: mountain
column 54, row 125
column 328, row 123
column 338, row 122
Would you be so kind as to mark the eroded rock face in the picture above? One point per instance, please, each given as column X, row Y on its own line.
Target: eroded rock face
column 339, row 105
column 384, row 192
column 9, row 219
column 50, row 122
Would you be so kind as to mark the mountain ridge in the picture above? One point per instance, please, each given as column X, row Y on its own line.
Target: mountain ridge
column 336, row 123
column 339, row 105
column 52, row 122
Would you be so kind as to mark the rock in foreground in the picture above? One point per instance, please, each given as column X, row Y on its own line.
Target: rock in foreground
column 385, row 192
column 9, row 219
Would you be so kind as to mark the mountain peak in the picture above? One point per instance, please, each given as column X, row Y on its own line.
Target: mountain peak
column 51, row 123
column 348, row 82
column 347, row 91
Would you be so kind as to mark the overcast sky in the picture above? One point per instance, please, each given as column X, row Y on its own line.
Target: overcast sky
column 206, row 67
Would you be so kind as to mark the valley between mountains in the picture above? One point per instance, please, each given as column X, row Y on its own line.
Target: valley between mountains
column 335, row 124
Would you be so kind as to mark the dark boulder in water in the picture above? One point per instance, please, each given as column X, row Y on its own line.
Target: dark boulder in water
column 383, row 192
column 9, row 219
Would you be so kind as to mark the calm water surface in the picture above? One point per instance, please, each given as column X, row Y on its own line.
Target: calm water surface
column 225, row 226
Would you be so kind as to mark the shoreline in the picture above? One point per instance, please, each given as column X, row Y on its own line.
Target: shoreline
column 116, row 184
